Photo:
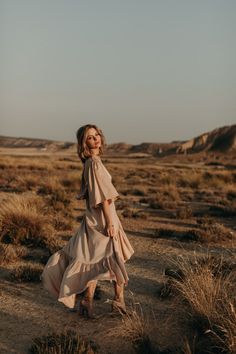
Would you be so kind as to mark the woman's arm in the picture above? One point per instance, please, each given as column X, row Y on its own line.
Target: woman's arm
column 109, row 228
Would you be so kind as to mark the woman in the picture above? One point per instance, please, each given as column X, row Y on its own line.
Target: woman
column 100, row 247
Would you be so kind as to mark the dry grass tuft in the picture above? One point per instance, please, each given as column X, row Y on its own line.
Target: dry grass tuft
column 9, row 254
column 133, row 213
column 211, row 303
column 27, row 273
column 61, row 222
column 215, row 232
column 68, row 342
column 23, row 221
column 136, row 328
column 57, row 192
column 137, row 191
column 184, row 213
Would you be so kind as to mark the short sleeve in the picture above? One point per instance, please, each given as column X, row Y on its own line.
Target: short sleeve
column 100, row 187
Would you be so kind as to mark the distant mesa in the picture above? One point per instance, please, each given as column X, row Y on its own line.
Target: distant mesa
column 40, row 144
column 221, row 139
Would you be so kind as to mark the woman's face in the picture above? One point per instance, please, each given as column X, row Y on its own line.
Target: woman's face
column 93, row 139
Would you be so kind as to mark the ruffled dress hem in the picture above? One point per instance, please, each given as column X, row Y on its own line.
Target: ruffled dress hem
column 74, row 273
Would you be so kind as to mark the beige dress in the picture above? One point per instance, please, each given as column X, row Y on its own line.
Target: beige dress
column 89, row 254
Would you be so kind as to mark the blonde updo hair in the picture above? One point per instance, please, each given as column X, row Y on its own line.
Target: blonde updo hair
column 82, row 148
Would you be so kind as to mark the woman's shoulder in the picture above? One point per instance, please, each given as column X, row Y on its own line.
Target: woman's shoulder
column 93, row 161
column 93, row 158
column 95, row 165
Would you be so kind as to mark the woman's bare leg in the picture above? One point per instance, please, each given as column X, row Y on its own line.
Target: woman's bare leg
column 118, row 302
column 86, row 304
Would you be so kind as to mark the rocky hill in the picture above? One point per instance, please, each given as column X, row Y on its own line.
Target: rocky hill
column 41, row 144
column 221, row 139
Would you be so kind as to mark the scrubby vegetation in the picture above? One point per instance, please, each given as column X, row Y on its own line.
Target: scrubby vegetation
column 24, row 221
column 180, row 216
column 68, row 342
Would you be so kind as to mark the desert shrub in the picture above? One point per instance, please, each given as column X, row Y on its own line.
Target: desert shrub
column 152, row 190
column 164, row 232
column 133, row 179
column 209, row 305
column 133, row 213
column 66, row 182
column 166, row 179
column 192, row 180
column 184, row 213
column 137, row 191
column 225, row 176
column 136, row 328
column 161, row 202
column 62, row 223
column 215, row 232
column 23, row 221
column 218, row 265
column 165, row 290
column 27, row 273
column 121, row 204
column 153, row 203
column 207, row 176
column 68, row 342
column 9, row 254
column 209, row 233
column 144, row 200
column 218, row 179
column 9, row 182
column 204, row 195
column 36, row 255
column 28, row 181
column 169, row 193
column 33, row 166
column 70, row 179
column 205, row 220
column 205, row 233
column 128, row 213
column 165, row 198
column 53, row 187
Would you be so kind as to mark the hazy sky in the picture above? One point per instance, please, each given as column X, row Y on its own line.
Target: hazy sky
column 143, row 71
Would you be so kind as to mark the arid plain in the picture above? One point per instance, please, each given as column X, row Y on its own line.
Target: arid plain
column 179, row 212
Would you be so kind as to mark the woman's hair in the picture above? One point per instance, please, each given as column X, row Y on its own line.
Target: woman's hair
column 82, row 148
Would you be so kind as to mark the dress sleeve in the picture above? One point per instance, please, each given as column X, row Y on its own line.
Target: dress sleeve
column 100, row 187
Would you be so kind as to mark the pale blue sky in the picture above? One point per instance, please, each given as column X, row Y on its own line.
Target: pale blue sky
column 143, row 71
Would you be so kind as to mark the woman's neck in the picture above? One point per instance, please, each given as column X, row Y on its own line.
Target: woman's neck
column 94, row 152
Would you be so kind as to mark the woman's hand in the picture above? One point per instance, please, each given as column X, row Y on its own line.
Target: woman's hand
column 110, row 227
column 110, row 230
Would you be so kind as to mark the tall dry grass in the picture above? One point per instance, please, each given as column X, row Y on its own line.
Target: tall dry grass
column 67, row 342
column 56, row 195
column 9, row 253
column 210, row 296
column 136, row 327
column 24, row 221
